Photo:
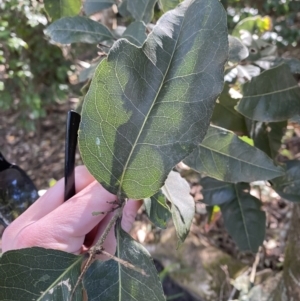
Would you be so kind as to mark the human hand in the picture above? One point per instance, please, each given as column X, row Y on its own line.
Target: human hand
column 68, row 226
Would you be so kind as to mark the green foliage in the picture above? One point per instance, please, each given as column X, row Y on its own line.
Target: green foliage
column 149, row 106
column 62, row 8
column 35, row 72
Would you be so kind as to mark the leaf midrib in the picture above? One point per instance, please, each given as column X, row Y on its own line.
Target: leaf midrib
column 150, row 109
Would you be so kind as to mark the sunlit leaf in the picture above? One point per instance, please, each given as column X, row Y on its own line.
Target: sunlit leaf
column 91, row 7
column 141, row 10
column 136, row 33
column 223, row 156
column 62, row 8
column 77, row 29
column 157, row 210
column 113, row 281
column 272, row 96
column 168, row 4
column 288, row 186
column 39, row 274
column 177, row 191
column 148, row 108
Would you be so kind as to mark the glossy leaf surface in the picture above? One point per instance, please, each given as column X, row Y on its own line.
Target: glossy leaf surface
column 136, row 33
column 223, row 156
column 91, row 7
column 112, row 281
column 57, row 9
column 148, row 108
column 39, row 274
column 177, row 191
column 288, row 186
column 157, row 210
column 272, row 96
column 141, row 10
column 77, row 29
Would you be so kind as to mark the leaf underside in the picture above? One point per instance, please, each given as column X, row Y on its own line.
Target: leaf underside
column 148, row 108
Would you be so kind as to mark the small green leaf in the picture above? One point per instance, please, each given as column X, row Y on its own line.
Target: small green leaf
column 141, row 10
column 167, row 5
column 113, row 281
column 268, row 136
column 136, row 33
column 272, row 96
column 288, row 186
column 147, row 108
column 91, row 7
column 57, row 9
column 157, row 210
column 226, row 116
column 39, row 274
column 237, row 50
column 77, row 29
column 223, row 156
column 177, row 191
column 244, row 220
column 216, row 192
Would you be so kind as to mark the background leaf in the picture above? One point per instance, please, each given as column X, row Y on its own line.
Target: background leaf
column 223, row 156
column 39, row 274
column 157, row 210
column 141, row 10
column 177, row 191
column 215, row 192
column 274, row 95
column 112, row 281
column 91, row 7
column 268, row 136
column 226, row 116
column 136, row 33
column 167, row 5
column 244, row 220
column 77, row 29
column 62, row 8
column 288, row 186
column 237, row 50
column 144, row 111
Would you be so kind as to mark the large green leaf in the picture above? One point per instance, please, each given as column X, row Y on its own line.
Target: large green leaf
column 93, row 6
column 274, row 95
column 223, row 156
column 141, row 10
column 237, row 50
column 148, row 108
column 39, row 274
column 112, row 281
column 226, row 116
column 177, row 191
column 244, row 220
column 267, row 136
column 136, row 33
column 77, row 29
column 288, row 186
column 168, row 4
column 62, row 8
column 157, row 210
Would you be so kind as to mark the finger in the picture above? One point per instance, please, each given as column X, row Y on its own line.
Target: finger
column 129, row 213
column 65, row 227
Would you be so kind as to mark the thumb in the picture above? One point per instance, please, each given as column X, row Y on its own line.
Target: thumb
column 129, row 213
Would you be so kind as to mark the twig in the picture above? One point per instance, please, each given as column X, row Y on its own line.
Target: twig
column 124, row 263
column 98, row 246
column 254, row 267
